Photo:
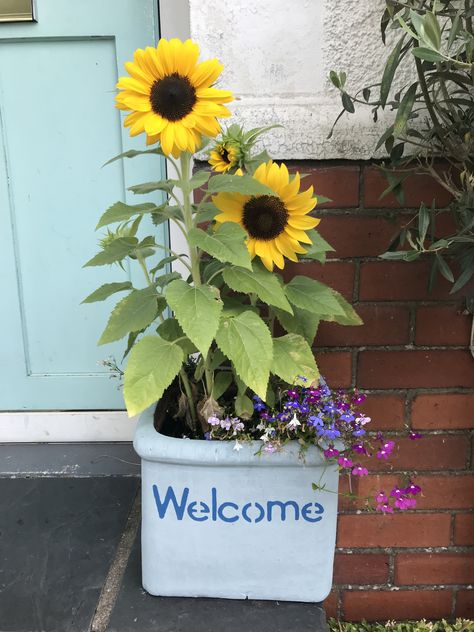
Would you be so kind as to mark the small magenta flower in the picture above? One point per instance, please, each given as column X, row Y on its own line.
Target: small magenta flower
column 292, row 394
column 381, row 498
column 405, row 503
column 360, row 471
column 359, row 398
column 412, row 489
column 359, row 448
column 331, row 453
column 415, row 435
column 386, row 450
column 385, row 508
column 397, row 492
column 344, row 461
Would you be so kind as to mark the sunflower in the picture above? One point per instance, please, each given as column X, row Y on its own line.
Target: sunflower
column 224, row 157
column 276, row 224
column 170, row 96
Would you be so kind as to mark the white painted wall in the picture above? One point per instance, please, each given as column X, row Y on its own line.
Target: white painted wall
column 277, row 56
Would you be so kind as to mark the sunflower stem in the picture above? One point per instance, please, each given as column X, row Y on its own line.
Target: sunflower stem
column 188, row 215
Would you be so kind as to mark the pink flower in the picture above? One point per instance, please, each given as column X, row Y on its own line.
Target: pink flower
column 412, row 489
column 381, row 498
column 384, row 508
column 360, row 471
column 397, row 492
column 386, row 450
column 331, row 452
column 344, row 462
column 359, row 448
column 415, row 435
column 405, row 503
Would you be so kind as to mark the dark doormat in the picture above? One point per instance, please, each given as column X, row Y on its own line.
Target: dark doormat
column 136, row 611
column 58, row 537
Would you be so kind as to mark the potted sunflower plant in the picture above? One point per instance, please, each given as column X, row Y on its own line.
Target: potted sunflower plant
column 238, row 436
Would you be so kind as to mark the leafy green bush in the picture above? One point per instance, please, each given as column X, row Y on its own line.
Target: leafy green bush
column 434, row 120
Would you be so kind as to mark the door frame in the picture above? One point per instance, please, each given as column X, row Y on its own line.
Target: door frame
column 88, row 426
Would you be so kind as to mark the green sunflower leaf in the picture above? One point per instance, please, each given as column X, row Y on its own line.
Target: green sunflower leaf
column 120, row 212
column 292, row 356
column 227, row 244
column 247, row 342
column 131, row 153
column 152, row 366
column 258, row 280
column 117, row 250
column 197, row 310
column 349, row 317
column 302, row 322
column 199, row 179
column 106, row 290
column 313, row 296
column 134, row 312
column 149, row 187
column 171, row 331
column 222, row 382
column 246, row 185
column 318, row 249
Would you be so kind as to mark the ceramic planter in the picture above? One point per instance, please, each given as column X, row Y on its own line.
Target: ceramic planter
column 222, row 523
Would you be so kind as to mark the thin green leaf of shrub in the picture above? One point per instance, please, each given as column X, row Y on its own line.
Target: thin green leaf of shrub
column 404, row 111
column 347, row 103
column 427, row 54
column 152, row 366
column 444, row 268
column 389, row 72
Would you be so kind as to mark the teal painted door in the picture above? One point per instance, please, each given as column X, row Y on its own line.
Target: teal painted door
column 58, row 126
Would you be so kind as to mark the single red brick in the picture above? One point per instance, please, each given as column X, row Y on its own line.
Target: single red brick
column 331, row 604
column 439, row 452
column 355, row 568
column 338, row 182
column 397, row 530
column 447, row 411
column 383, row 325
column 335, row 367
column 442, row 325
column 418, row 188
column 402, row 281
column 415, row 369
column 373, row 605
column 465, row 604
column 359, row 235
column 464, row 529
column 386, row 411
column 433, row 568
column 445, row 492
column 338, row 275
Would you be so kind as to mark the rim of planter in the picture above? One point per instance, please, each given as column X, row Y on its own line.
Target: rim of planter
column 151, row 445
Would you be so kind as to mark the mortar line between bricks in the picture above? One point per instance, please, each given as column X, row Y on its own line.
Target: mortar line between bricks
column 402, row 587
column 392, row 348
column 408, row 550
column 113, row 582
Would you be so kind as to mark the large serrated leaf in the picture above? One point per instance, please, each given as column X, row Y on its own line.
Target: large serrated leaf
column 349, row 317
column 106, row 290
column 152, row 366
column 134, row 312
column 197, row 310
column 171, row 331
column 313, row 296
column 247, row 342
column 258, row 280
column 117, row 250
column 318, row 249
column 120, row 212
column 227, row 244
column 292, row 357
column 246, row 185
column 302, row 322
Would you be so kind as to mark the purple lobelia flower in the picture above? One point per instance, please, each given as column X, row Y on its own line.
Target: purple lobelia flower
column 412, row 489
column 385, row 508
column 381, row 498
column 343, row 461
column 358, row 470
column 331, row 453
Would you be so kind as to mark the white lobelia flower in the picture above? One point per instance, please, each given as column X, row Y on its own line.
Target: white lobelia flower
column 293, row 423
column 237, row 446
column 261, row 426
column 265, row 437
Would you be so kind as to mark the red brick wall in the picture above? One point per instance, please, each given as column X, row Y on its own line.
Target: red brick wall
column 411, row 356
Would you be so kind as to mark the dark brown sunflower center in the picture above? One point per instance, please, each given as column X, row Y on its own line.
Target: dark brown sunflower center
column 172, row 97
column 225, row 155
column 264, row 217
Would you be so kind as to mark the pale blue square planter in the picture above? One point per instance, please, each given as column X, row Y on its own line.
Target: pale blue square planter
column 222, row 523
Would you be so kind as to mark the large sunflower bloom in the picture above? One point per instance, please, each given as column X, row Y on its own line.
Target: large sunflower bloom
column 276, row 224
column 170, row 96
column 223, row 157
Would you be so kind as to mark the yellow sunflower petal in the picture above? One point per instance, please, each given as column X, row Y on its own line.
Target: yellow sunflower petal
column 128, row 83
column 143, row 61
column 137, row 73
column 273, row 177
column 300, row 206
column 230, row 202
column 167, row 139
column 293, row 187
column 181, row 137
column 188, row 58
column 276, row 255
column 260, row 173
column 207, row 125
column 165, row 56
column 134, row 101
column 297, row 234
column 213, row 94
column 284, row 245
column 265, row 253
column 303, row 222
column 206, row 73
column 155, row 124
column 251, row 246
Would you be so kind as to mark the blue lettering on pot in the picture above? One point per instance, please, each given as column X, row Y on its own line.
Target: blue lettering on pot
column 230, row 512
